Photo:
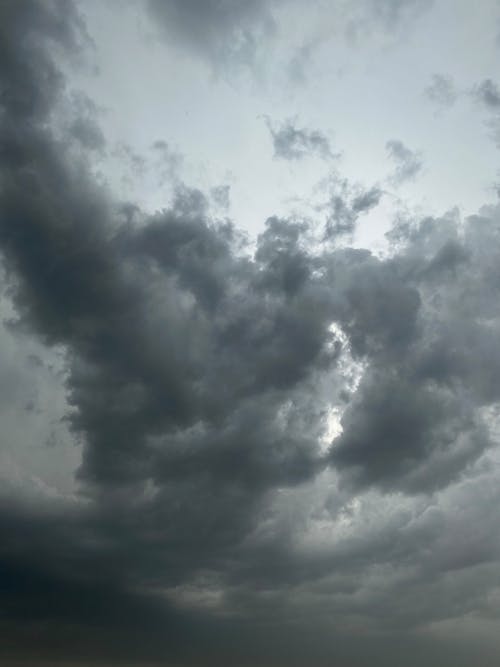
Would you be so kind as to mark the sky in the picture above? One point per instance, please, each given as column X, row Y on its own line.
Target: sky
column 249, row 333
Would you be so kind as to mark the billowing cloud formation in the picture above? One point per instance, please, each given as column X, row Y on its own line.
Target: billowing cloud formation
column 408, row 163
column 218, row 507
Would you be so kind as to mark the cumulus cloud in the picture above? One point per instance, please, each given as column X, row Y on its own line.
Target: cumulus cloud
column 216, row 509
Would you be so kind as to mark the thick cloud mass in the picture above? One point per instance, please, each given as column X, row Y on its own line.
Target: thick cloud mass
column 202, row 377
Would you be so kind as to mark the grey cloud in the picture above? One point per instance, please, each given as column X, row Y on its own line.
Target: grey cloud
column 135, row 161
column 359, row 20
column 221, row 196
column 221, row 33
column 407, row 435
column 152, row 326
column 488, row 94
column 366, row 200
column 442, row 91
column 408, row 163
column 168, row 163
column 199, row 377
column 293, row 143
column 379, row 311
column 228, row 35
column 23, row 57
column 343, row 214
column 83, row 122
column 88, row 133
column 447, row 378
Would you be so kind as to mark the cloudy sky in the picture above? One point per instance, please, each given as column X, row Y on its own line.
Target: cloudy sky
column 249, row 337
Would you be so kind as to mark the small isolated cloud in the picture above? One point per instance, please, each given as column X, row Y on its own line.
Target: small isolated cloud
column 294, row 143
column 408, row 163
column 441, row 91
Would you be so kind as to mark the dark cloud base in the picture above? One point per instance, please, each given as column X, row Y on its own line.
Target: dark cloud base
column 199, row 378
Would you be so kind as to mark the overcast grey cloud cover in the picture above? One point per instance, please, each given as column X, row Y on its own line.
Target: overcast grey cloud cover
column 249, row 341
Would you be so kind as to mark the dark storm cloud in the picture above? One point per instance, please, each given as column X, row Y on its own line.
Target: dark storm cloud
column 397, row 434
column 29, row 78
column 439, row 360
column 199, row 377
column 293, row 143
column 168, row 360
column 408, row 163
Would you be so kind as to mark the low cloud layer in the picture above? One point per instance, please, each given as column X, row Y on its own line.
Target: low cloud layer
column 288, row 449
